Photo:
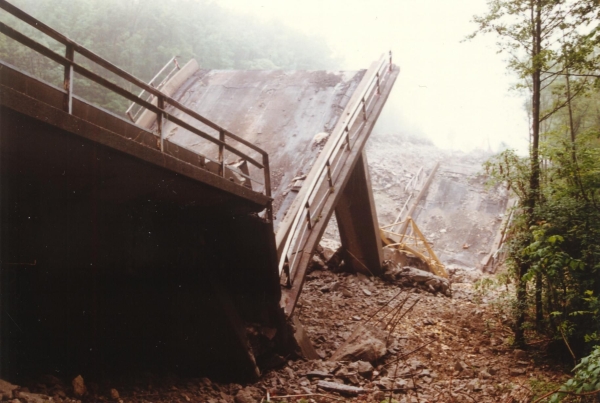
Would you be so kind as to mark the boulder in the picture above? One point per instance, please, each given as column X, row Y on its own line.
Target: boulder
column 424, row 278
column 249, row 394
column 365, row 369
column 79, row 386
column 366, row 343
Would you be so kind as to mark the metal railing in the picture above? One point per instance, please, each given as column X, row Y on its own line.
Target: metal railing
column 134, row 111
column 412, row 240
column 323, row 178
column 162, row 114
column 413, row 184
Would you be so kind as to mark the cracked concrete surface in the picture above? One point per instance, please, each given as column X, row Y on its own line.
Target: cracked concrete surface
column 279, row 111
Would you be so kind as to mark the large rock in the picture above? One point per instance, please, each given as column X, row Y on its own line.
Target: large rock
column 366, row 343
column 365, row 369
column 420, row 277
column 79, row 386
column 249, row 394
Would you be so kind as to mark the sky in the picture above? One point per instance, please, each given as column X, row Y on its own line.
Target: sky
column 457, row 94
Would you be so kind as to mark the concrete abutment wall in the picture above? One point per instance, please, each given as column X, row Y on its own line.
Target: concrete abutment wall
column 111, row 263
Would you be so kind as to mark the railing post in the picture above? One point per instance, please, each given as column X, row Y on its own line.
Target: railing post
column 308, row 216
column 329, row 178
column 68, row 79
column 267, row 178
column 378, row 86
column 160, row 122
column 221, row 152
column 390, row 61
column 267, row 174
column 347, row 131
column 364, row 108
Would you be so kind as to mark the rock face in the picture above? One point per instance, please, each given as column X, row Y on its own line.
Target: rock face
column 366, row 343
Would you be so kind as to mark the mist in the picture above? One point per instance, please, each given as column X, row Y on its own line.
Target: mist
column 455, row 93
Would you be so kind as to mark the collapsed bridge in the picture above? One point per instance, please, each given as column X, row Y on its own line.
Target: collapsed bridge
column 179, row 239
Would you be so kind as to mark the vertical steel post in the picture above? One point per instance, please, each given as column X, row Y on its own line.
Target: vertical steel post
column 267, row 174
column 221, row 153
column 329, row 176
column 68, row 79
column 347, row 131
column 267, row 178
column 160, row 122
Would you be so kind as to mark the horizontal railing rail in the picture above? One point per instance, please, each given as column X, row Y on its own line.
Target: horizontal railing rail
column 326, row 174
column 160, row 109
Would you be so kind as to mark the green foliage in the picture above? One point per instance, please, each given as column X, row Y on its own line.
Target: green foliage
column 586, row 379
column 141, row 36
column 553, row 252
column 562, row 246
column 540, row 387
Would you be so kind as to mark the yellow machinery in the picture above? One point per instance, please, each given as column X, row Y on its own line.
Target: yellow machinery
column 409, row 239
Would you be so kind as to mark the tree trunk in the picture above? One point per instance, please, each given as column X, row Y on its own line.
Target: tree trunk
column 539, row 311
column 534, row 179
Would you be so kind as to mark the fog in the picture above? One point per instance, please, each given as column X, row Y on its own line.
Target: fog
column 456, row 93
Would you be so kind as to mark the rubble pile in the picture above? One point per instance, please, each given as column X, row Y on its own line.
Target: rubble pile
column 409, row 335
column 374, row 337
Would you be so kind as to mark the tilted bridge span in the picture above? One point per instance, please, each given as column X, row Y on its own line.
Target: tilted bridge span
column 178, row 235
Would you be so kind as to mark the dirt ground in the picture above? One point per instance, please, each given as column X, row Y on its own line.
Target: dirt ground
column 441, row 350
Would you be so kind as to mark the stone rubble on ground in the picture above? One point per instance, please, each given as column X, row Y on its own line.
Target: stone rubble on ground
column 452, row 346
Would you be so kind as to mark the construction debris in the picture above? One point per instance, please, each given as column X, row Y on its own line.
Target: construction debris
column 411, row 243
column 340, row 388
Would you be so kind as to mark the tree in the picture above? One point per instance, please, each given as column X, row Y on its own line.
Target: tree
column 539, row 36
column 141, row 36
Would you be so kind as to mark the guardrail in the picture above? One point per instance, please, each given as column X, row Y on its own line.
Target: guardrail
column 134, row 111
column 163, row 101
column 325, row 175
column 413, row 184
